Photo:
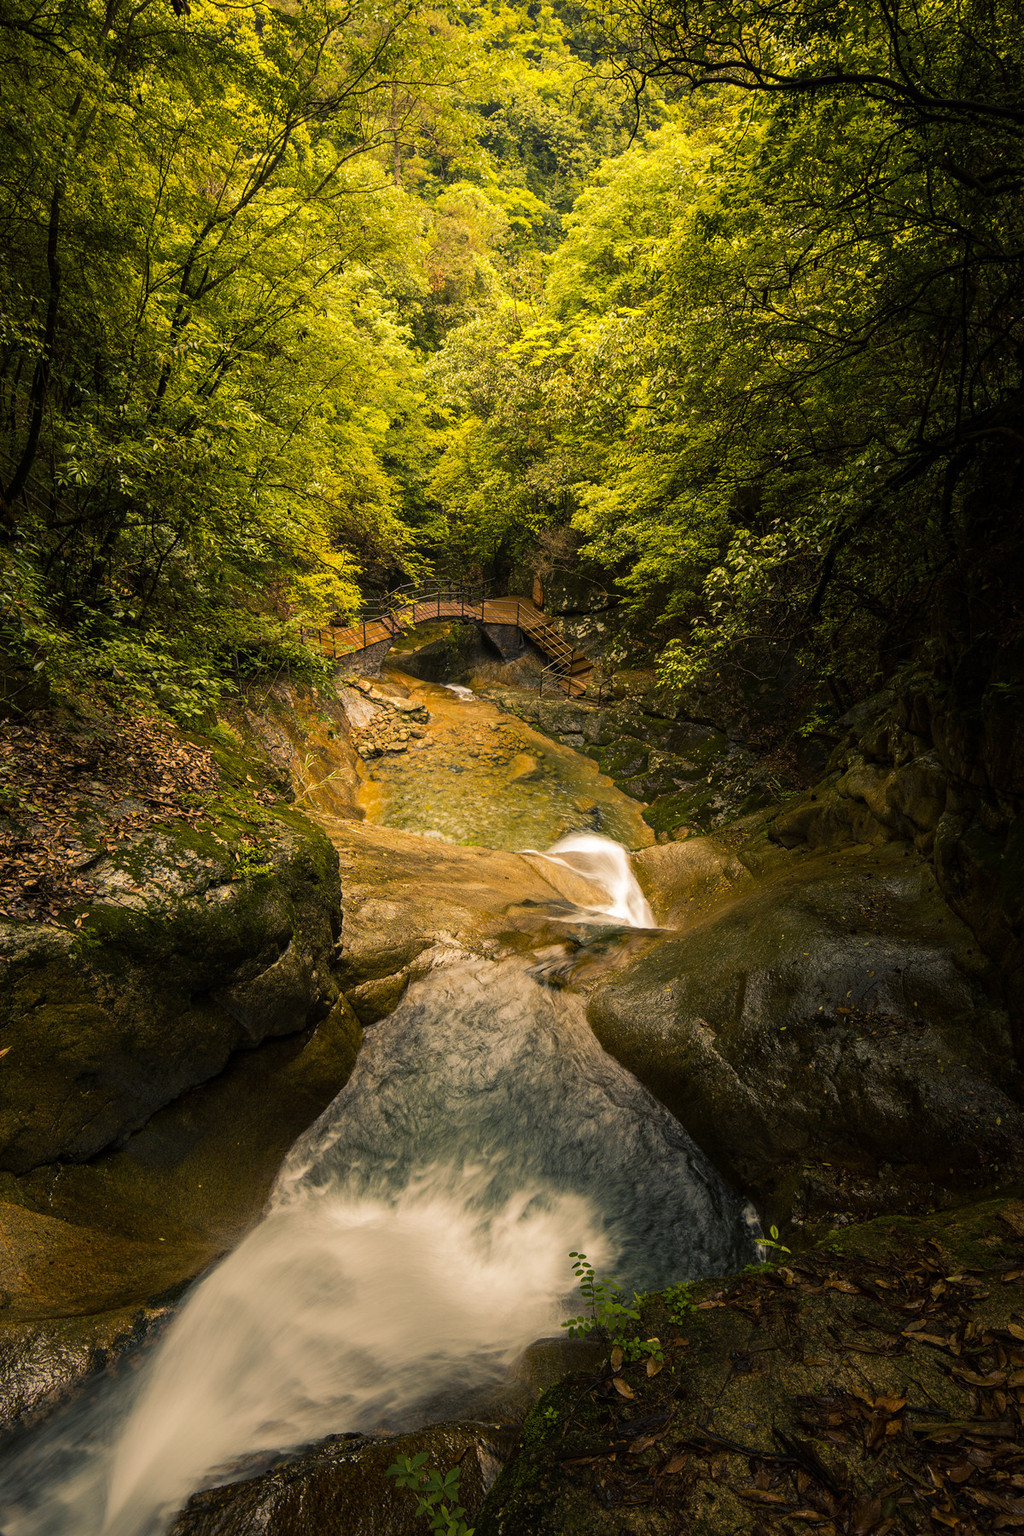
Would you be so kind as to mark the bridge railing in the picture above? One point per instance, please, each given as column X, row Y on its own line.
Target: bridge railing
column 386, row 611
column 468, row 599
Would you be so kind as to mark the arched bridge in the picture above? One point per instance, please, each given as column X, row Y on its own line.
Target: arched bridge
column 568, row 671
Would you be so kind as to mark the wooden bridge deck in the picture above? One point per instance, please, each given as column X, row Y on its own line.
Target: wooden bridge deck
column 574, row 670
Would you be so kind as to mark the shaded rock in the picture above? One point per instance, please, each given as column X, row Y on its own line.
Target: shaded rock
column 374, row 1000
column 105, row 1025
column 806, row 1398
column 547, row 1360
column 367, row 662
column 49, row 1266
column 870, row 802
column 455, row 656
column 836, row 1010
column 683, row 808
column 623, row 758
column 342, row 1486
column 508, row 640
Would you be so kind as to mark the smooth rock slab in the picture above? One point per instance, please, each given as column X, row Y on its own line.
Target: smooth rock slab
column 833, row 1011
column 341, row 1488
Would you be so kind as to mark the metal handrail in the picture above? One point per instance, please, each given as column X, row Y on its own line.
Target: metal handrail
column 389, row 611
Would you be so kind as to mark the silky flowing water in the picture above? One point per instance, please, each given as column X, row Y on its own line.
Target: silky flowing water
column 417, row 1239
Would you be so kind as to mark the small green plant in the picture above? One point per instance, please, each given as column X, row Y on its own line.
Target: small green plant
column 610, row 1317
column 438, row 1493
column 766, row 1262
column 308, row 789
column 679, row 1301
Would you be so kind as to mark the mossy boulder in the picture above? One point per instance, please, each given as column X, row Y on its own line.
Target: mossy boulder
column 199, row 943
column 84, row 1248
column 832, row 1014
column 623, row 758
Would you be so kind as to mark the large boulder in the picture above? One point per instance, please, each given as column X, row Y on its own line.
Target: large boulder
column 198, row 943
column 826, row 1024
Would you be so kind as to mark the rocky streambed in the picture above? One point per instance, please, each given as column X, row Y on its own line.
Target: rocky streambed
column 816, row 1017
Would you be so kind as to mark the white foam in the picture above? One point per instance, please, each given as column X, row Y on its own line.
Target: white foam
column 605, row 863
column 341, row 1312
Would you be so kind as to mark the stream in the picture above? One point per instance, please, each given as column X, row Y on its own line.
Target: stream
column 416, row 1241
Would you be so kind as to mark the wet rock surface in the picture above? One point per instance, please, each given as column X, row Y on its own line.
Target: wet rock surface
column 474, row 775
column 84, row 1248
column 197, row 945
column 411, row 903
column 44, row 1364
column 342, row 1486
column 827, row 1026
column 870, row 1385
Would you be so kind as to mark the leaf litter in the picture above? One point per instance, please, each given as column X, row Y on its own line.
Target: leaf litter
column 69, row 797
column 851, row 1457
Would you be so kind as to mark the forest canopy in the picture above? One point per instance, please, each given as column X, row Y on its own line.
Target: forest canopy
column 300, row 302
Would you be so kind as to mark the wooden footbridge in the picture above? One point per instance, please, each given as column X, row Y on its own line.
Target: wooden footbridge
column 568, row 671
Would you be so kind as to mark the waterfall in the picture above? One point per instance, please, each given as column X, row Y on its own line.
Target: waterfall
column 606, row 864
column 416, row 1240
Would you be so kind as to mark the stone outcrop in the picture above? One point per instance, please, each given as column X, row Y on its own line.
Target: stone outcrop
column 825, row 1027
column 690, row 774
column 931, row 765
column 866, row 1386
column 198, row 945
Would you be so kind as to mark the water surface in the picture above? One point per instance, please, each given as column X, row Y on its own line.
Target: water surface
column 483, row 777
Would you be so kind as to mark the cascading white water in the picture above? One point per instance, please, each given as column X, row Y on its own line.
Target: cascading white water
column 417, row 1238
column 604, row 863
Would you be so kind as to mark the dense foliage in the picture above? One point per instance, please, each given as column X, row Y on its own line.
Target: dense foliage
column 230, row 235
column 298, row 300
column 777, row 383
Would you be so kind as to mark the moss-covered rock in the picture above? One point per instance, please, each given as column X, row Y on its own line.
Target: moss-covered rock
column 83, row 1247
column 200, row 942
column 831, row 1015
column 623, row 758
column 868, row 1385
